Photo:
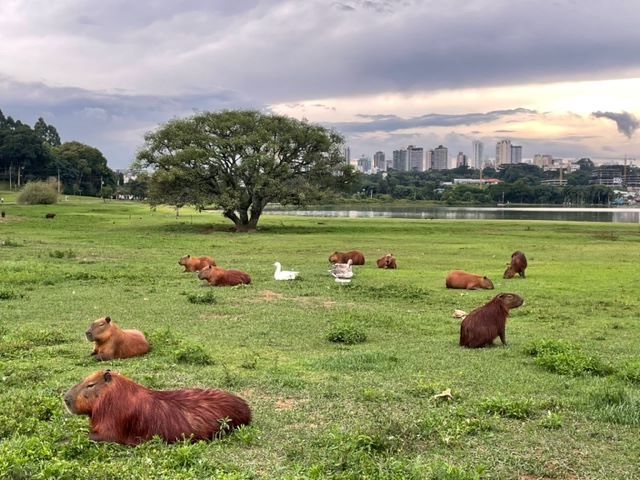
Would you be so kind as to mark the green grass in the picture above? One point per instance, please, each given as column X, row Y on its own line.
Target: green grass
column 341, row 378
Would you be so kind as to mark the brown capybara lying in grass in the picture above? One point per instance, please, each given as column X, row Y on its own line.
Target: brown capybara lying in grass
column 469, row 281
column 220, row 277
column 517, row 266
column 50, row 215
column 388, row 261
column 195, row 264
column 356, row 257
column 111, row 341
column 484, row 324
column 122, row 411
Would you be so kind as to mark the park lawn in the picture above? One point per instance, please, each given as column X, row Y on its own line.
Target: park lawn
column 560, row 401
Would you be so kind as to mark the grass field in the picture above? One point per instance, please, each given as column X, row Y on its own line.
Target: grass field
column 561, row 401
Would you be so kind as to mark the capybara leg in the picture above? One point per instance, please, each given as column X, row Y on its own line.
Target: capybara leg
column 522, row 274
column 503, row 337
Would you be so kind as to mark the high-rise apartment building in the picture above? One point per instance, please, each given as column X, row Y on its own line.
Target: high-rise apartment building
column 428, row 160
column 440, row 158
column 379, row 162
column 478, row 152
column 364, row 164
column 347, row 155
column 462, row 160
column 415, row 158
column 516, row 154
column 400, row 160
column 503, row 152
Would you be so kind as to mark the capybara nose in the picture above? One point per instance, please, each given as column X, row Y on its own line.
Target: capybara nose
column 88, row 335
column 67, row 400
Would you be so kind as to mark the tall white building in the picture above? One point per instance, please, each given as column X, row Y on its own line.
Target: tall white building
column 415, row 158
column 440, row 158
column 364, row 164
column 462, row 160
column 503, row 152
column 400, row 162
column 347, row 155
column 478, row 152
column 428, row 160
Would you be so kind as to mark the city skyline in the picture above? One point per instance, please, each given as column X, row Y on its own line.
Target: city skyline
column 562, row 83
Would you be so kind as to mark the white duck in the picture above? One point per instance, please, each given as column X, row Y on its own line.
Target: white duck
column 342, row 271
column 283, row 274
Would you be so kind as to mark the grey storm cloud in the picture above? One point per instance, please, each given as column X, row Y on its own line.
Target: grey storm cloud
column 627, row 123
column 390, row 123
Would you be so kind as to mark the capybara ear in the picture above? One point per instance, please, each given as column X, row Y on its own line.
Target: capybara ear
column 107, row 375
column 107, row 319
column 485, row 278
column 188, row 256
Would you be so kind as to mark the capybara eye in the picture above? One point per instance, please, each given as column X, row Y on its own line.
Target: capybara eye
column 91, row 385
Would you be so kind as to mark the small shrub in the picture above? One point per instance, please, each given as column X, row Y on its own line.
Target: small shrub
column 247, row 435
column 62, row 254
column 7, row 242
column 517, row 409
column 192, row 354
column 615, row 404
column 9, row 294
column 206, row 298
column 347, row 333
column 566, row 358
column 38, row 193
column 444, row 471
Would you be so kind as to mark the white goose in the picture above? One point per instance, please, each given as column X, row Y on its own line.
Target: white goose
column 283, row 274
column 342, row 271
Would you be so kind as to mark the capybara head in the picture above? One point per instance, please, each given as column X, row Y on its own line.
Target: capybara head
column 100, row 329
column 509, row 272
column 205, row 272
column 486, row 283
column 510, row 300
column 183, row 260
column 335, row 257
column 81, row 399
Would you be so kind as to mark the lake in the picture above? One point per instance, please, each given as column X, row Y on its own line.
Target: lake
column 602, row 214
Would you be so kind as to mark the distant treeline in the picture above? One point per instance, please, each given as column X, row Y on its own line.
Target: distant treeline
column 520, row 183
column 36, row 153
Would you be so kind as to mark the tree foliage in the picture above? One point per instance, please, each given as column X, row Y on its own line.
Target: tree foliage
column 242, row 160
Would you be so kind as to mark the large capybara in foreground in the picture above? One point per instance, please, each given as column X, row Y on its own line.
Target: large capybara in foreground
column 388, row 261
column 469, row 281
column 220, row 277
column 356, row 257
column 111, row 341
column 517, row 266
column 195, row 264
column 484, row 324
column 122, row 411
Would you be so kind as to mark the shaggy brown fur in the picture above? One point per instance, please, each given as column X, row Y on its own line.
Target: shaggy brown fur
column 517, row 266
column 388, row 261
column 113, row 342
column 220, row 277
column 195, row 264
column 50, row 215
column 486, row 323
column 469, row 281
column 356, row 257
column 125, row 412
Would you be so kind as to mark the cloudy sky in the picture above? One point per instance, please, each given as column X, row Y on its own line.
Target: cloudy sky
column 556, row 76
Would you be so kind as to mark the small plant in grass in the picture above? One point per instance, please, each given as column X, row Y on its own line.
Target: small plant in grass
column 517, row 409
column 7, row 242
column 444, row 471
column 247, row 435
column 207, row 298
column 62, row 254
column 192, row 354
column 38, row 193
column 613, row 403
column 9, row 294
column 630, row 372
column 346, row 332
column 566, row 358
column 552, row 421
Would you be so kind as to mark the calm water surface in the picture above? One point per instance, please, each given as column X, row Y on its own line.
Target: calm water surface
column 613, row 214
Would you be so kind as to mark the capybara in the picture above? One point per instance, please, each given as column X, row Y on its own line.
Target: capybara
column 388, row 261
column 122, row 411
column 50, row 215
column 111, row 341
column 518, row 265
column 356, row 257
column 220, row 277
column 195, row 264
column 484, row 324
column 469, row 281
